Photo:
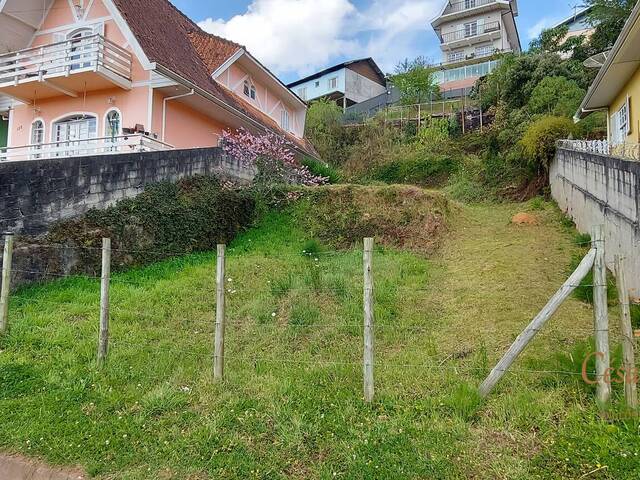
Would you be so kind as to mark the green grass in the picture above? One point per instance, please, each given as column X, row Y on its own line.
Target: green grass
column 291, row 405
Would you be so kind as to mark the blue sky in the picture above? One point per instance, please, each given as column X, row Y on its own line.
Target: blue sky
column 298, row 37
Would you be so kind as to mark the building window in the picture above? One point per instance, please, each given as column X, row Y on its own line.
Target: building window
column 471, row 29
column 302, row 93
column 37, row 137
column 37, row 132
column 484, row 51
column 253, row 92
column 455, row 56
column 333, row 83
column 469, row 4
column 112, row 125
column 74, row 132
column 246, row 89
column 317, row 84
column 621, row 123
column 284, row 121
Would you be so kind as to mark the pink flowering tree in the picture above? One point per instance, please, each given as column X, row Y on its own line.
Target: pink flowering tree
column 271, row 155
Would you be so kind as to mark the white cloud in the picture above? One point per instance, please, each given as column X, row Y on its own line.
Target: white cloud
column 545, row 23
column 301, row 36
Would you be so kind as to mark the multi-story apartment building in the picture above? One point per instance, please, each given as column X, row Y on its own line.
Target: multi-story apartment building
column 472, row 33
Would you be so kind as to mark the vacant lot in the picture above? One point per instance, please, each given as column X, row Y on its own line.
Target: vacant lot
column 291, row 406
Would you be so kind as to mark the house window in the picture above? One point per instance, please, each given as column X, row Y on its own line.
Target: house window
column 246, row 89
column 469, row 4
column 471, row 29
column 81, row 43
column 253, row 92
column 455, row 56
column 74, row 132
column 621, row 124
column 37, row 132
column 284, row 121
column 484, row 51
column 317, row 84
column 302, row 93
column 112, row 125
column 37, row 136
column 333, row 83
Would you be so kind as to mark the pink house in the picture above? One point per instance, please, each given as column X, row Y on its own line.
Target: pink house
column 83, row 77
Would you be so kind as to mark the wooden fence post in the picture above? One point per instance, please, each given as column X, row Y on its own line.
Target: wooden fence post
column 103, row 339
column 601, row 315
column 368, row 320
column 7, row 259
column 628, row 357
column 537, row 324
column 218, row 356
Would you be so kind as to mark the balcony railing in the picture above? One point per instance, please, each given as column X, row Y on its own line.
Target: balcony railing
column 78, row 148
column 456, row 7
column 465, row 33
column 628, row 151
column 77, row 55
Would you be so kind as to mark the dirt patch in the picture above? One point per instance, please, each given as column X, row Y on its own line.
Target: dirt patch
column 16, row 467
column 396, row 215
column 525, row 219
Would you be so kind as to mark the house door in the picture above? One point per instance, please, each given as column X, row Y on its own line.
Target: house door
column 72, row 135
column 4, row 131
column 80, row 45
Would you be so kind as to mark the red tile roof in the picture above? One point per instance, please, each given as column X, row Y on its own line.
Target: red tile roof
column 171, row 39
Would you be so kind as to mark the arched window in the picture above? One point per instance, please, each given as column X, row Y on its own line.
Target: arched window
column 113, row 124
column 37, row 132
column 74, row 132
column 79, row 44
column 37, row 136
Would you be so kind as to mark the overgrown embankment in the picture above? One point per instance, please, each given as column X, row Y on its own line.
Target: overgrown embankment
column 398, row 216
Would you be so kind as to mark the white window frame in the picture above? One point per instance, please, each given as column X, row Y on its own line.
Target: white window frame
column 621, row 123
column 471, row 29
column 284, row 120
column 484, row 51
column 468, row 4
column 106, row 122
column 455, row 56
column 43, row 135
column 333, row 83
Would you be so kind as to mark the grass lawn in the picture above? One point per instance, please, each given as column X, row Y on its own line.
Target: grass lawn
column 291, row 405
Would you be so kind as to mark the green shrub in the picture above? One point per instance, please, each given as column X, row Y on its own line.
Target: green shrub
column 539, row 141
column 167, row 219
column 321, row 169
column 425, row 171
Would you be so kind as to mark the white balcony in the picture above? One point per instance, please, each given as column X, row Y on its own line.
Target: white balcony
column 471, row 35
column 80, row 148
column 460, row 9
column 68, row 68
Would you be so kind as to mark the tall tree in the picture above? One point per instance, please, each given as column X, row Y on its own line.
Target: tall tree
column 608, row 18
column 416, row 81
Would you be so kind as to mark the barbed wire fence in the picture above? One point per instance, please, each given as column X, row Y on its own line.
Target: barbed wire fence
column 212, row 340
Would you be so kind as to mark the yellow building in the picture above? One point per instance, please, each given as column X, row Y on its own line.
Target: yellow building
column 616, row 89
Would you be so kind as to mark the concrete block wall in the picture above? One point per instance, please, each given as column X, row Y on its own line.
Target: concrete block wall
column 36, row 193
column 597, row 189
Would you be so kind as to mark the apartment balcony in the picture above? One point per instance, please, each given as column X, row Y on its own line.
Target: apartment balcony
column 71, row 68
column 471, row 35
column 458, row 10
column 80, row 148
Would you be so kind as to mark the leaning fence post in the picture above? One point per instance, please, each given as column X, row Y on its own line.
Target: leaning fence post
column 218, row 356
column 368, row 321
column 538, row 323
column 103, row 340
column 601, row 315
column 7, row 258
column 628, row 357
